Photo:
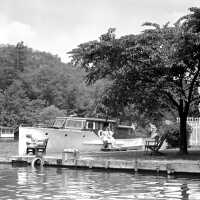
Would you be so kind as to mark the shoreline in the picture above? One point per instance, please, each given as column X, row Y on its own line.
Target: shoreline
column 94, row 161
column 135, row 161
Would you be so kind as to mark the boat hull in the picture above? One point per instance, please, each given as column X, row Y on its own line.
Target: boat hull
column 60, row 139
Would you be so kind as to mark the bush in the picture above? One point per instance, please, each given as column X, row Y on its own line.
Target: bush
column 173, row 131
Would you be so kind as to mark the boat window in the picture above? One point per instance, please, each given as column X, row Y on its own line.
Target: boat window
column 59, row 123
column 74, row 124
column 102, row 125
column 98, row 125
column 90, row 125
column 124, row 133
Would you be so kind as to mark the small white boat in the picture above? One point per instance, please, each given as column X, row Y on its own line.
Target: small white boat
column 84, row 134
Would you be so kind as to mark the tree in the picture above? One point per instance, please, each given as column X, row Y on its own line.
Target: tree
column 7, row 70
column 119, row 60
column 20, row 57
column 157, row 70
column 50, row 113
column 16, row 108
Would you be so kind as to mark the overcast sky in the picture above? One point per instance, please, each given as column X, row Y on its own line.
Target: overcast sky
column 57, row 26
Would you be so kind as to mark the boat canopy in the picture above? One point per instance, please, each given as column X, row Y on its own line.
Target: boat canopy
column 83, row 123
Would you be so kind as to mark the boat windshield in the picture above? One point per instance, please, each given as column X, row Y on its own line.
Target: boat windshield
column 59, row 123
column 71, row 123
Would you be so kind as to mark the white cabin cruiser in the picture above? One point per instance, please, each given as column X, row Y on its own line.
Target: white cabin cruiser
column 84, row 134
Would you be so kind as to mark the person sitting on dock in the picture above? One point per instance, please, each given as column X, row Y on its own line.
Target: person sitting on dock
column 36, row 145
column 107, row 137
column 154, row 133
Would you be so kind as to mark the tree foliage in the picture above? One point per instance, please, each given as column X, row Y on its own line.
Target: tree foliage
column 157, row 70
column 50, row 113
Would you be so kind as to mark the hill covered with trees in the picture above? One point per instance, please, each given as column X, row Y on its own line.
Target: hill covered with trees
column 36, row 86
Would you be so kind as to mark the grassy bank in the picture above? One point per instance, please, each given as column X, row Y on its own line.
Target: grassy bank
column 10, row 148
column 169, row 154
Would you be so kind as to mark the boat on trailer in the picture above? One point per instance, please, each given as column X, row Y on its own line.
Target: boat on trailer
column 83, row 134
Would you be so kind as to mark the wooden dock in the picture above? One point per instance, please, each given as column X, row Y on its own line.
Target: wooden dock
column 134, row 165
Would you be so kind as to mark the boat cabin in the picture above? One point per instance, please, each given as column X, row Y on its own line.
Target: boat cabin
column 84, row 134
column 94, row 124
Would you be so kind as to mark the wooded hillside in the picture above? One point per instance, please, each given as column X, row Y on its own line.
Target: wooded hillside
column 36, row 86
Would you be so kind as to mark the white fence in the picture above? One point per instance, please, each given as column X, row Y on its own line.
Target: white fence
column 6, row 132
column 195, row 135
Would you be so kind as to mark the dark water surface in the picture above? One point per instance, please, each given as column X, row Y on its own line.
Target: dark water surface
column 56, row 183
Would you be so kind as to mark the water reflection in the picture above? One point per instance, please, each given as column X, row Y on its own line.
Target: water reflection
column 57, row 183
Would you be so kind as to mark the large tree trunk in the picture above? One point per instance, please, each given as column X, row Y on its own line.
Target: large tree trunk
column 183, row 135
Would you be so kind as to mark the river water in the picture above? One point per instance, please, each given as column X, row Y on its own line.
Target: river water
column 69, row 184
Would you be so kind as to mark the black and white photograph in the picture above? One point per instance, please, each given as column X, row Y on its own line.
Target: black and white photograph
column 99, row 100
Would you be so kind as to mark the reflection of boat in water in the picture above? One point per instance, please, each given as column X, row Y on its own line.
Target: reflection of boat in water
column 83, row 134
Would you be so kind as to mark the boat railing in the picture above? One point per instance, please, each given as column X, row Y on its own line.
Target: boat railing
column 36, row 125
